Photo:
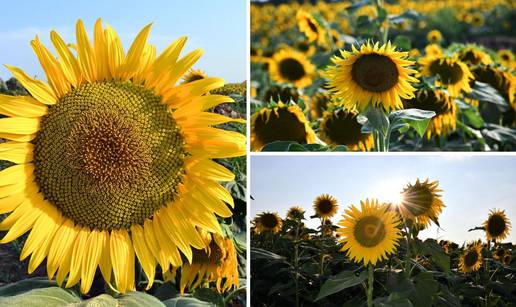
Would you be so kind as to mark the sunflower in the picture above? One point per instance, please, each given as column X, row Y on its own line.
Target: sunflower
column 434, row 37
column 507, row 259
column 453, row 73
column 421, row 202
column 296, row 213
column 342, row 128
column 328, row 227
column 506, row 57
column 445, row 120
column 318, row 105
column 217, row 263
column 502, row 81
column 194, row 75
column 477, row 20
column 474, row 56
column 497, row 225
column 433, row 50
column 325, row 206
column 310, row 27
column 414, row 53
column 305, row 47
column 291, row 66
column 278, row 93
column 499, row 254
column 376, row 75
column 282, row 123
column 370, row 233
column 113, row 159
column 471, row 259
column 267, row 222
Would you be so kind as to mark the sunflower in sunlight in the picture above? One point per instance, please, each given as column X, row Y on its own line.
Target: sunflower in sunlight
column 194, row 75
column 506, row 57
column 497, row 225
column 421, row 202
column 474, row 55
column 113, row 160
column 291, row 66
column 471, row 259
column 325, row 206
column 445, row 119
column 341, row 127
column 310, row 27
column 374, row 75
column 453, row 73
column 433, row 50
column 216, row 263
column 296, row 213
column 369, row 234
column 434, row 37
column 281, row 123
column 267, row 222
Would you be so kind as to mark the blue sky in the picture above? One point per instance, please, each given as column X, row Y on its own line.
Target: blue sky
column 472, row 185
column 218, row 27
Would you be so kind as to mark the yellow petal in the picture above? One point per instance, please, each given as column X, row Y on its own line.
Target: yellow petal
column 177, row 71
column 11, row 202
column 147, row 260
column 18, row 137
column 134, row 55
column 152, row 244
column 105, row 259
column 19, row 125
column 93, row 251
column 86, row 55
column 16, row 152
column 68, row 62
column 61, row 245
column 77, row 257
column 16, row 174
column 116, row 56
column 208, row 169
column 55, row 76
column 122, row 258
column 21, row 106
column 162, row 65
column 38, row 89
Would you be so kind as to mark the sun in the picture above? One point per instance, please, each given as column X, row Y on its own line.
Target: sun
column 389, row 191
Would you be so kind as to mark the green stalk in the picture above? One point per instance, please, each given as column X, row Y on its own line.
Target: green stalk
column 370, row 286
column 321, row 262
column 408, row 256
column 296, row 263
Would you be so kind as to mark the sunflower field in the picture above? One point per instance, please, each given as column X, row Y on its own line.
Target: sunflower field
column 373, row 256
column 383, row 75
column 122, row 178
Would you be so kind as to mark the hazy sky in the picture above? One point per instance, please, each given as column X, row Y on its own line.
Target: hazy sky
column 218, row 27
column 472, row 185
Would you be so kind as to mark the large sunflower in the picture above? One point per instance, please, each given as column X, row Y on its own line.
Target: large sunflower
column 282, row 123
column 370, row 233
column 267, row 222
column 445, row 120
column 376, row 75
column 342, row 128
column 497, row 225
column 296, row 213
column 421, row 202
column 290, row 66
column 474, row 55
column 113, row 159
column 217, row 263
column 502, row 81
column 325, row 206
column 506, row 57
column 453, row 73
column 310, row 27
column 471, row 259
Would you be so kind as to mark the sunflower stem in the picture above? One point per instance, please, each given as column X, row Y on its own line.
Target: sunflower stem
column 296, row 263
column 321, row 262
column 408, row 256
column 370, row 286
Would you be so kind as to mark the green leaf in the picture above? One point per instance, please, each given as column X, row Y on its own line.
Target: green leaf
column 420, row 126
column 258, row 253
column 376, row 119
column 139, row 299
column 403, row 42
column 103, row 300
column 340, row 282
column 416, row 118
column 499, row 133
column 278, row 146
column 484, row 92
column 439, row 257
column 209, row 295
column 48, row 297
column 186, row 302
column 26, row 285
column 425, row 287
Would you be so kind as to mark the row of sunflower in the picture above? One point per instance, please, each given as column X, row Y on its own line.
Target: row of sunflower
column 314, row 80
column 373, row 254
column 126, row 173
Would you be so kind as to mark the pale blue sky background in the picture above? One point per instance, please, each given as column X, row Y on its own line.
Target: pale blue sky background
column 218, row 27
column 472, row 185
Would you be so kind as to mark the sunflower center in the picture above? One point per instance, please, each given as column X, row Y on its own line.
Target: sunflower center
column 343, row 128
column 269, row 220
column 369, row 231
column 449, row 73
column 375, row 72
column 471, row 258
column 282, row 125
column 108, row 155
column 325, row 206
column 496, row 225
column 431, row 101
column 312, row 25
column 505, row 57
column 471, row 57
column 291, row 69
column 418, row 200
column 201, row 256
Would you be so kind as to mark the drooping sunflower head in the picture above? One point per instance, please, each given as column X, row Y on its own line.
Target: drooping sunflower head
column 445, row 120
column 267, row 222
column 473, row 55
column 434, row 37
column 369, row 234
column 310, row 27
column 421, row 202
column 497, row 225
column 113, row 159
column 194, row 75
column 284, row 94
column 296, row 213
column 216, row 263
column 291, row 66
column 318, row 105
column 281, row 123
column 506, row 57
column 452, row 73
column 341, row 127
column 376, row 75
column 502, row 81
column 471, row 259
column 325, row 206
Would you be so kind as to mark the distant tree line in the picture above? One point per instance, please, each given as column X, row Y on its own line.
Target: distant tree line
column 12, row 87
